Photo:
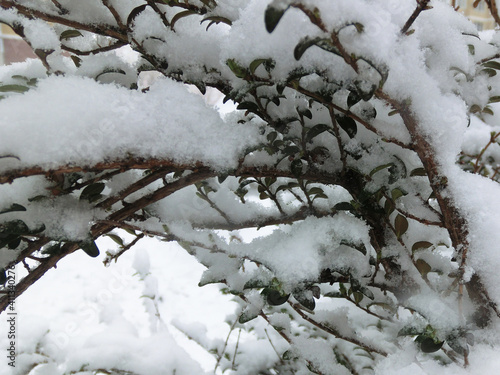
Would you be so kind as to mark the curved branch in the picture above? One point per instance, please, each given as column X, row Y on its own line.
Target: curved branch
column 106, row 30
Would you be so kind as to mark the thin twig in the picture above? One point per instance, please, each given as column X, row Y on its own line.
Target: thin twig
column 421, row 6
column 272, row 345
column 334, row 332
column 225, row 344
column 236, row 350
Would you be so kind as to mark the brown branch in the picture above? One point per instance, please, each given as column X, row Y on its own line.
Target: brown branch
column 492, row 140
column 492, row 6
column 59, row 7
column 115, row 14
column 334, row 332
column 94, row 51
column 101, row 228
column 452, row 220
column 343, row 156
column 36, row 274
column 348, row 113
column 123, row 164
column 421, row 6
column 140, row 163
column 155, row 7
column 143, row 182
column 106, row 30
column 124, row 249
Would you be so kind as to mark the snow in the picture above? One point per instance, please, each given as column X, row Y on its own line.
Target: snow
column 60, row 130
column 85, row 319
column 84, row 311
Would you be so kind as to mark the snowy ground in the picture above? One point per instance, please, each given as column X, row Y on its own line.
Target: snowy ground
column 68, row 310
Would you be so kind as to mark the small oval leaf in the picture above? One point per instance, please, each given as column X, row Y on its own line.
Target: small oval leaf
column 272, row 17
column 400, row 225
column 90, row 248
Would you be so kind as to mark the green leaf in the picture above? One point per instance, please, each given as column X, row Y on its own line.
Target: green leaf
column 263, row 196
column 428, row 344
column 248, row 106
column 353, row 98
column 134, row 13
column 217, row 20
column 380, row 167
column 409, row 331
column 76, row 60
column 68, row 34
column 458, row 343
column 274, row 297
column 315, row 190
column 180, row 15
column 420, row 245
column 110, row 70
column 488, row 110
column 14, row 88
column 397, row 171
column 92, row 191
column 256, row 283
column 475, row 108
column 358, row 297
column 238, row 70
column 418, row 172
column 289, row 355
column 385, row 306
column 268, row 64
column 315, row 131
column 272, row 17
column 296, row 167
column 54, row 249
column 14, row 242
column 271, row 137
column 357, row 246
column 367, row 292
column 489, row 72
column 397, row 193
column 90, row 248
column 13, row 208
column 494, row 99
column 305, row 300
column 291, row 150
column 306, row 43
column 400, row 225
column 303, row 45
column 334, row 294
column 492, row 65
column 423, row 267
column 348, row 125
column 14, row 227
column 344, row 206
column 115, row 238
column 359, row 27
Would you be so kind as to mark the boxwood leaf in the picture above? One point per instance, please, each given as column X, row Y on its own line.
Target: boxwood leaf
column 420, row 245
column 13, row 207
column 348, row 125
column 315, row 131
column 68, row 34
column 400, row 225
column 89, row 247
column 272, row 17
column 92, row 190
